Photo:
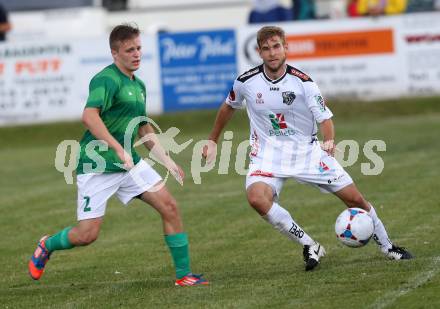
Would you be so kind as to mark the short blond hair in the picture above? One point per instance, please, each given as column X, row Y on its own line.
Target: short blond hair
column 267, row 32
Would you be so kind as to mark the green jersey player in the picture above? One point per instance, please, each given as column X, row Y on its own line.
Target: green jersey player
column 114, row 114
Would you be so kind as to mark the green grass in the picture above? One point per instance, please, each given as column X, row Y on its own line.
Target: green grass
column 248, row 263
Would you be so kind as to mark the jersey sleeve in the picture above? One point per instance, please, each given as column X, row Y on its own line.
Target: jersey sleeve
column 316, row 102
column 236, row 95
column 102, row 89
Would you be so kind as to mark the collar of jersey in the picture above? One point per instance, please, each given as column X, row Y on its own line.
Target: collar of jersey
column 115, row 67
column 273, row 81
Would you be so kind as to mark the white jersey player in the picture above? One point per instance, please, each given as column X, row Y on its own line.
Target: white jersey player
column 285, row 108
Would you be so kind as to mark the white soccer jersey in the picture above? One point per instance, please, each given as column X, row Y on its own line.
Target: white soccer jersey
column 283, row 115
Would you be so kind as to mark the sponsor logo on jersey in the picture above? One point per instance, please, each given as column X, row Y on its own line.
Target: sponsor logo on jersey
column 259, row 99
column 279, row 125
column 274, row 88
column 323, row 167
column 288, row 97
column 320, row 101
column 299, row 74
column 231, row 95
column 256, row 70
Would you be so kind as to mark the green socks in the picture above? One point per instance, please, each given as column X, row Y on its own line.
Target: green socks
column 178, row 244
column 59, row 241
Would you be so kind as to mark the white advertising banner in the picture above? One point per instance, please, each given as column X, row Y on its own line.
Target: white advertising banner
column 361, row 59
column 419, row 39
column 74, row 23
column 48, row 81
column 38, row 82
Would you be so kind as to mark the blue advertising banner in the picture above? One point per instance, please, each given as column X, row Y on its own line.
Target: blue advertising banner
column 197, row 68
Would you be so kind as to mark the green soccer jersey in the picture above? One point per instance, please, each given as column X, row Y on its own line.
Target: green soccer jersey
column 120, row 100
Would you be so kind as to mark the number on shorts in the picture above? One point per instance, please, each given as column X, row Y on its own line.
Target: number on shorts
column 87, row 202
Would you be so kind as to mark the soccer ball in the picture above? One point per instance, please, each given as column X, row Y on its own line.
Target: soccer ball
column 354, row 227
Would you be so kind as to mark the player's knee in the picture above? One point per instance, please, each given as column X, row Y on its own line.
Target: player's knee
column 88, row 237
column 170, row 209
column 258, row 201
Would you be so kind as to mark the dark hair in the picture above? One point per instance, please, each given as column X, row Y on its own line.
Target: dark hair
column 121, row 33
column 267, row 32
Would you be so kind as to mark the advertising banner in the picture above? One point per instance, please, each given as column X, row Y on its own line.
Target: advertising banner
column 363, row 58
column 419, row 39
column 197, row 68
column 48, row 81
column 38, row 82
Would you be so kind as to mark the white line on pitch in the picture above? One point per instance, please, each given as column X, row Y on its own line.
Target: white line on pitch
column 411, row 285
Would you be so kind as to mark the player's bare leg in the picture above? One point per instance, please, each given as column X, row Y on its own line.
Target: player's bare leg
column 261, row 197
column 165, row 204
column 86, row 232
column 351, row 196
column 175, row 237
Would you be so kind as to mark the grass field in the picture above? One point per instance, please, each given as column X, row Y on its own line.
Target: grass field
column 248, row 263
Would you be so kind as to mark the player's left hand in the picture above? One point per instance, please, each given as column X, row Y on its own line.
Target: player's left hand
column 329, row 147
column 177, row 172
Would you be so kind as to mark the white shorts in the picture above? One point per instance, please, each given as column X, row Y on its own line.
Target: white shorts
column 328, row 176
column 94, row 190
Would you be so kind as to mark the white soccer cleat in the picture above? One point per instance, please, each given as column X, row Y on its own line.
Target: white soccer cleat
column 312, row 254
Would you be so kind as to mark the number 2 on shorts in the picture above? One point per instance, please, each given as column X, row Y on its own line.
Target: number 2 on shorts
column 87, row 202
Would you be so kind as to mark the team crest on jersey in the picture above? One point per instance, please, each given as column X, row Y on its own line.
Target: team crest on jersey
column 288, row 97
column 259, row 99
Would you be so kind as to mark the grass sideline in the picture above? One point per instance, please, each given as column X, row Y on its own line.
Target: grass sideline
column 248, row 263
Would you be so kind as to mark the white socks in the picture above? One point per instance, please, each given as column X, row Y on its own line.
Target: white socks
column 283, row 222
column 380, row 235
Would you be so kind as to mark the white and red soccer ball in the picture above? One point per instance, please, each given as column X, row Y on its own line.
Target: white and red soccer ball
column 354, row 227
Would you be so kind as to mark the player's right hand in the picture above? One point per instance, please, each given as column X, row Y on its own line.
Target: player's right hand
column 209, row 151
column 329, row 147
column 127, row 160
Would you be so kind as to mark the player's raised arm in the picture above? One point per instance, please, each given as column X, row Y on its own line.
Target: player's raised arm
column 224, row 114
column 93, row 122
